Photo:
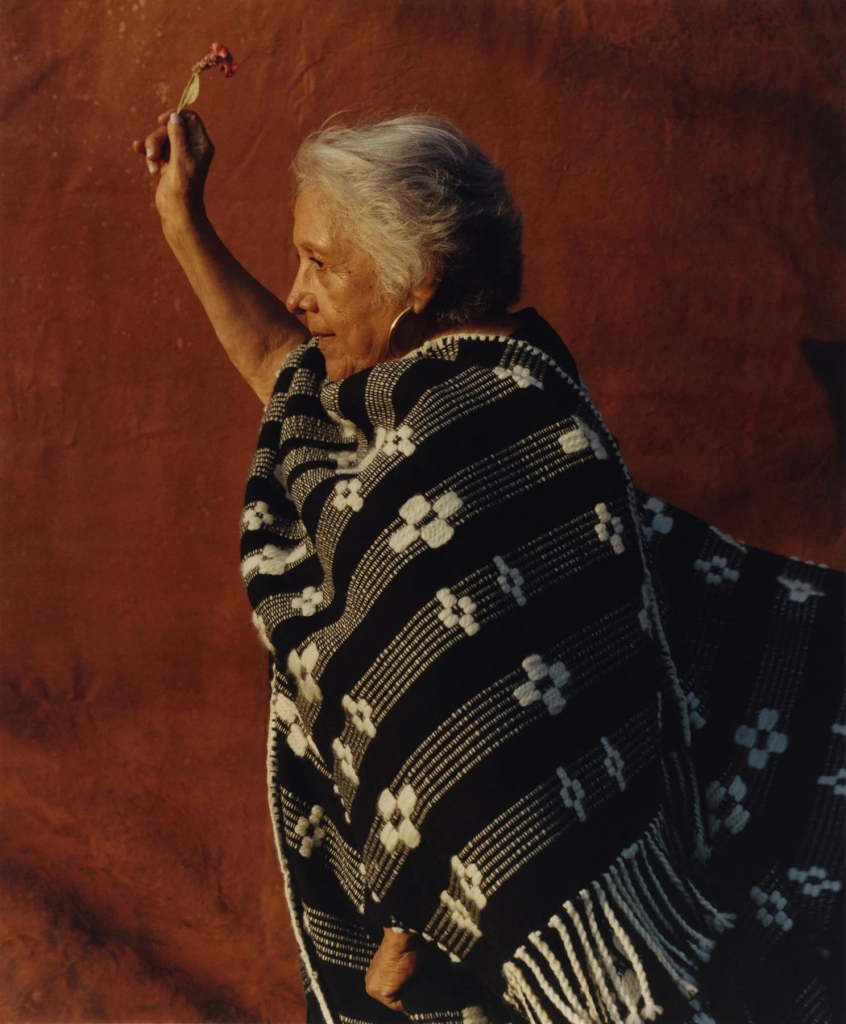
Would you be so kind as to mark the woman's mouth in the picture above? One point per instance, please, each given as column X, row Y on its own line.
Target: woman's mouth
column 323, row 339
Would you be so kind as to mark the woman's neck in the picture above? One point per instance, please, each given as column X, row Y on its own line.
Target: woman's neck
column 505, row 324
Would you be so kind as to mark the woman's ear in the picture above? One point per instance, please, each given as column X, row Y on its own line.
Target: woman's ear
column 422, row 294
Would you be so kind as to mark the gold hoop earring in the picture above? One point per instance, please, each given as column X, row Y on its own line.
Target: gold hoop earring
column 398, row 320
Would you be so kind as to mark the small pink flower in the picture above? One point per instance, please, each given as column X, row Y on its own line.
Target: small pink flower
column 218, row 56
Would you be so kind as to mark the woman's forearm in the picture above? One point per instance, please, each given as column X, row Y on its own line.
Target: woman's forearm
column 253, row 325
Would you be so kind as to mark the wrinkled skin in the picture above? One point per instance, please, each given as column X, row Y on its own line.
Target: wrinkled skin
column 392, row 966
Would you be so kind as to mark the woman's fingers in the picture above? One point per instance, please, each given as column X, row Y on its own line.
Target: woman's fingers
column 155, row 144
column 198, row 137
column 177, row 135
column 394, row 963
column 140, row 148
column 188, row 140
column 155, row 148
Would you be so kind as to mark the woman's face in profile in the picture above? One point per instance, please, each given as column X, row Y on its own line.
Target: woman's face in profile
column 333, row 293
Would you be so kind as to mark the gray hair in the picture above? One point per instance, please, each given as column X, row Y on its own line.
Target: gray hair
column 418, row 197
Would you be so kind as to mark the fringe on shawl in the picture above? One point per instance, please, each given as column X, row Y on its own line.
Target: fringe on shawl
column 587, row 965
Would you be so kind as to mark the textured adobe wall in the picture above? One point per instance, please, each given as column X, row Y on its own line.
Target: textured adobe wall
column 680, row 168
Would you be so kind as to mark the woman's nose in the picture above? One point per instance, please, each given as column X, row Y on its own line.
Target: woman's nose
column 300, row 300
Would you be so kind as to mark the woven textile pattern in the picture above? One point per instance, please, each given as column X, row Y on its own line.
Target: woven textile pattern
column 478, row 727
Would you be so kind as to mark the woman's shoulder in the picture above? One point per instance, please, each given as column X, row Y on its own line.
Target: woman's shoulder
column 523, row 362
column 524, row 329
column 535, row 330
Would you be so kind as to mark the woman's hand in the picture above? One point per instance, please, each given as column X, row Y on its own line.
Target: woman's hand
column 180, row 154
column 392, row 966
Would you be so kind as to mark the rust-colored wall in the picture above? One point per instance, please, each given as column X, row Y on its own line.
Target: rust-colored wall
column 679, row 166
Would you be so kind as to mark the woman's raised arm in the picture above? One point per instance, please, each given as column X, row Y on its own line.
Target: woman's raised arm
column 252, row 324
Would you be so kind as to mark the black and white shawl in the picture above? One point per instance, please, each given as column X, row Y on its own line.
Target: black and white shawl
column 479, row 730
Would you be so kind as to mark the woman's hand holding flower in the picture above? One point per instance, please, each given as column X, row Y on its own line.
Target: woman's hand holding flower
column 180, row 152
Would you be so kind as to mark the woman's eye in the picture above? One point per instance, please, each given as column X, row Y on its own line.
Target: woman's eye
column 314, row 259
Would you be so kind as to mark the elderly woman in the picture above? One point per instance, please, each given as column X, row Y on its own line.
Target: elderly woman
column 526, row 758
